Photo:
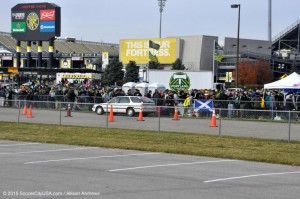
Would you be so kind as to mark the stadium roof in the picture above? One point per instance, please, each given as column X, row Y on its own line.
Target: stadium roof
column 288, row 38
column 62, row 46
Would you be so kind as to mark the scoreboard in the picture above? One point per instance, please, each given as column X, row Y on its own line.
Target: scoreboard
column 35, row 21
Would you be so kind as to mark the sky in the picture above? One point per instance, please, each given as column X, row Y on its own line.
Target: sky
column 110, row 21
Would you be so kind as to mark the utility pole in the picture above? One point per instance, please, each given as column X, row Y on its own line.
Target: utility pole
column 161, row 4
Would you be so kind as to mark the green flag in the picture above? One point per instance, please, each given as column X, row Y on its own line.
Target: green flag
column 217, row 55
column 151, row 56
column 154, row 45
column 217, row 46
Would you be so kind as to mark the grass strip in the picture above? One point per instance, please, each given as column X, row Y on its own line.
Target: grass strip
column 251, row 149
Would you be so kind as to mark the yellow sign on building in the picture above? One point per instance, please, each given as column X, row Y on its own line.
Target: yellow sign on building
column 138, row 50
column 13, row 70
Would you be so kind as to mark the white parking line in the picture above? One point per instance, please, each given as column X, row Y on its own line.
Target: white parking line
column 251, row 176
column 47, row 151
column 168, row 165
column 5, row 145
column 87, row 158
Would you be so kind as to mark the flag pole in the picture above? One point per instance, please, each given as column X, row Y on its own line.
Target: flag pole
column 213, row 73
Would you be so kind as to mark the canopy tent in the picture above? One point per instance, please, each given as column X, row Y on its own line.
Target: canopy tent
column 153, row 86
column 142, row 87
column 290, row 82
column 127, row 86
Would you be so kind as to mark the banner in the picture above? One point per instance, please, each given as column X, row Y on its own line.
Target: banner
column 105, row 60
column 65, row 63
column 203, row 105
column 138, row 50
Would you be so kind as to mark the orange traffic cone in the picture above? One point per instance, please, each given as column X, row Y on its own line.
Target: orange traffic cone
column 29, row 115
column 175, row 114
column 25, row 110
column 111, row 114
column 140, row 114
column 213, row 120
column 69, row 111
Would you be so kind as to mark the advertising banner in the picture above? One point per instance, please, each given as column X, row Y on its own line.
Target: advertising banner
column 105, row 59
column 66, row 63
column 35, row 21
column 143, row 50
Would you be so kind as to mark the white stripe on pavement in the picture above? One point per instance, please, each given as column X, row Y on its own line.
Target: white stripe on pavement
column 87, row 158
column 168, row 165
column 46, row 151
column 5, row 145
column 251, row 176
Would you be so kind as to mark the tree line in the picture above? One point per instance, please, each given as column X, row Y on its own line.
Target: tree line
column 250, row 72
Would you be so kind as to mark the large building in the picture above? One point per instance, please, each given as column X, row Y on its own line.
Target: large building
column 195, row 52
column 70, row 56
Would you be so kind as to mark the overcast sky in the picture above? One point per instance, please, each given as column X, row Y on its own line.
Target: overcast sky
column 111, row 20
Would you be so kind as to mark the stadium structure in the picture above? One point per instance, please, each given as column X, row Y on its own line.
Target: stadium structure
column 282, row 52
column 70, row 56
column 196, row 52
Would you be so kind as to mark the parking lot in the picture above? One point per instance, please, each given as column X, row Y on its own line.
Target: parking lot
column 41, row 170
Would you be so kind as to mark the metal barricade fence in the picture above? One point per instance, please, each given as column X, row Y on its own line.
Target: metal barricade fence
column 231, row 121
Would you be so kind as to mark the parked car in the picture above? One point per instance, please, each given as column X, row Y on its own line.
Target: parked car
column 236, row 89
column 130, row 105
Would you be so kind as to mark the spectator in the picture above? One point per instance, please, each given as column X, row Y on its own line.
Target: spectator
column 290, row 101
column 257, row 104
column 187, row 105
column 137, row 92
column 149, row 94
column 157, row 98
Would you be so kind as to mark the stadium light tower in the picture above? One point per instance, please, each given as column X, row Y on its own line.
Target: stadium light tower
column 237, row 45
column 270, row 21
column 161, row 4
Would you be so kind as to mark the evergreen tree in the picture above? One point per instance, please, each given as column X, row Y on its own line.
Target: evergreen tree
column 131, row 72
column 113, row 73
column 177, row 65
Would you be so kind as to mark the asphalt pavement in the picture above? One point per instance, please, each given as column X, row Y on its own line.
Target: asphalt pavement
column 41, row 171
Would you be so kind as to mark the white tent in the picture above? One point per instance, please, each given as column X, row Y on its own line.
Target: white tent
column 290, row 82
column 152, row 87
column 143, row 87
column 127, row 86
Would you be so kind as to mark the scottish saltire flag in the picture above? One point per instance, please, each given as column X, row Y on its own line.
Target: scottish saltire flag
column 154, row 45
column 203, row 105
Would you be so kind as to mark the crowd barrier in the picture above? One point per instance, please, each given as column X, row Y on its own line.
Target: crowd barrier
column 266, row 124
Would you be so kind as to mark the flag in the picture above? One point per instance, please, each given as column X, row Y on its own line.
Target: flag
column 203, row 105
column 217, row 55
column 151, row 56
column 154, row 45
column 217, row 46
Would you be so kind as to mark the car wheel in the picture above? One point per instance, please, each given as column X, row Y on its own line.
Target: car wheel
column 130, row 112
column 99, row 110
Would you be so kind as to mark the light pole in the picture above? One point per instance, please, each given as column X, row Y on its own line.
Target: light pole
column 161, row 4
column 238, row 45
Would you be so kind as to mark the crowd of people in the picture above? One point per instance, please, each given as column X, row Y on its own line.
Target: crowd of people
column 83, row 93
